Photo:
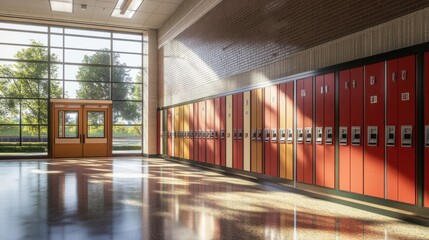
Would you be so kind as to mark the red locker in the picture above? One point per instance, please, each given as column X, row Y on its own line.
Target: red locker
column 196, row 141
column 400, row 127
column 202, row 133
column 222, row 135
column 217, row 122
column 304, row 136
column 426, row 121
column 170, row 129
column 191, row 131
column 351, row 125
column 374, row 126
column 270, row 130
column 237, row 123
column 210, row 143
column 324, row 132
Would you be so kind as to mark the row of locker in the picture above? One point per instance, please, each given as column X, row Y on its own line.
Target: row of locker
column 289, row 130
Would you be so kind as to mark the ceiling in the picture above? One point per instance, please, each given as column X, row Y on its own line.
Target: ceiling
column 151, row 14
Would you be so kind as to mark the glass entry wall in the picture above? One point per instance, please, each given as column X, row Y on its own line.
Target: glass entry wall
column 39, row 63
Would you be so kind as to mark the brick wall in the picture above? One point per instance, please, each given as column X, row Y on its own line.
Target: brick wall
column 242, row 43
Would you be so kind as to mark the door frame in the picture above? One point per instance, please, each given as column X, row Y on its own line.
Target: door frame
column 58, row 103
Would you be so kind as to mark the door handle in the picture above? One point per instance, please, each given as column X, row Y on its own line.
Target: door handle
column 83, row 138
column 80, row 138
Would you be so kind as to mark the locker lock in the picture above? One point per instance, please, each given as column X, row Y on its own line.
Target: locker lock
column 240, row 134
column 390, row 136
column 273, row 135
column 282, row 133
column 319, row 135
column 259, row 134
column 191, row 134
column 356, row 136
column 290, row 135
column 212, row 133
column 308, row 135
column 372, row 136
column 300, row 135
column 253, row 135
column 426, row 135
column 235, row 134
column 216, row 134
column 343, row 136
column 328, row 135
column 406, row 135
column 222, row 134
column 267, row 134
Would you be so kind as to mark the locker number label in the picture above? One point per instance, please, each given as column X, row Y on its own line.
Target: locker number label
column 373, row 99
column 405, row 96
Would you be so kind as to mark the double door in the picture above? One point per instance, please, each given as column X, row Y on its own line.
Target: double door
column 81, row 128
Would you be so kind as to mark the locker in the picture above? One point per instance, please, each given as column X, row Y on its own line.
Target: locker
column 170, row 132
column 222, row 133
column 270, row 130
column 289, row 130
column 176, row 129
column 246, row 131
column 344, row 123
column 237, row 118
column 181, row 139
column 426, row 130
column 228, row 131
column 186, row 132
column 304, row 132
column 202, row 132
column 165, row 131
column 324, row 140
column 196, row 131
column 282, row 130
column 210, row 131
column 217, row 140
column 256, row 130
column 400, row 143
column 159, row 132
column 374, row 127
column 191, row 131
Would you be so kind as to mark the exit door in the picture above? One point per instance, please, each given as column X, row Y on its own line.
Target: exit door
column 81, row 128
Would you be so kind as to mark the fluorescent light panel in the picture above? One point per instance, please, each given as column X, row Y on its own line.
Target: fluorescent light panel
column 61, row 5
column 129, row 13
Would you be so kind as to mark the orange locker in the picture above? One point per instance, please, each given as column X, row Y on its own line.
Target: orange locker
column 202, row 132
column 304, row 130
column 210, row 143
column 181, row 132
column 237, row 123
column 324, row 131
column 165, row 132
column 400, row 130
column 170, row 132
column 256, row 130
column 196, row 141
column 374, row 127
column 191, row 131
column 351, row 134
column 270, row 130
column 186, row 132
column 426, row 121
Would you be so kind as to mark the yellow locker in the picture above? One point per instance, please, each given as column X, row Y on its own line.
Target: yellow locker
column 181, row 132
column 289, row 129
column 186, row 131
column 256, row 132
column 282, row 130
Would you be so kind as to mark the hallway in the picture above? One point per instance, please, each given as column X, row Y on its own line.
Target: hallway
column 140, row 198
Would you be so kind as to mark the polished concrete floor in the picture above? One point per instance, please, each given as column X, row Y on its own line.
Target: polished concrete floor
column 137, row 198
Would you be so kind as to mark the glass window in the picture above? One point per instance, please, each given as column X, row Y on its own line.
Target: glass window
column 9, row 111
column 127, row 112
column 22, row 52
column 9, row 133
column 23, row 37
column 126, row 91
column 87, row 57
column 17, row 26
column 127, row 46
column 57, row 89
column 57, row 55
column 95, row 124
column 68, row 124
column 87, row 43
column 57, row 30
column 127, row 138
column 23, row 69
column 56, row 40
column 57, row 71
column 86, row 90
column 128, row 36
column 130, row 60
column 87, row 32
column 121, row 74
column 25, row 88
column 87, row 72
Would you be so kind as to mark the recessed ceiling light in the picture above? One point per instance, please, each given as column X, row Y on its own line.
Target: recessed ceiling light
column 61, row 5
column 83, row 6
column 126, row 8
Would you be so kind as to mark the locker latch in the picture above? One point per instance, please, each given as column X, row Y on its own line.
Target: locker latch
column 372, row 136
column 273, row 135
column 328, row 135
column 404, row 74
column 343, row 136
column 216, row 133
column 259, row 134
column 390, row 136
column 253, row 135
column 222, row 134
column 235, row 134
column 282, row 133
column 354, row 83
column 290, row 135
column 240, row 134
column 300, row 136
column 394, row 76
column 356, row 136
column 212, row 133
column 427, row 135
column 319, row 135
column 308, row 135
column 406, row 135
column 267, row 134
column 372, row 80
column 346, row 84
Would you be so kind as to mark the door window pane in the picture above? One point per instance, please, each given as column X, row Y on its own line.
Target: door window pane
column 95, row 124
column 68, row 124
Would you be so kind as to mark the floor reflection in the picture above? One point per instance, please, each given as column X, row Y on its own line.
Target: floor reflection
column 136, row 198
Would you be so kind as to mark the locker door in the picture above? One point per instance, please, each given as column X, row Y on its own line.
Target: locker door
column 165, row 128
column 289, row 130
column 159, row 132
column 401, row 157
column 257, row 116
column 308, row 131
column 170, row 132
column 229, row 131
column 217, row 139
column 191, row 131
column 210, row 131
column 222, row 134
column 426, row 121
column 237, row 131
column 186, row 132
column 344, row 124
column 253, row 130
column 176, row 127
column 320, row 123
column 356, row 125
column 282, row 130
column 274, row 171
column 270, row 131
column 202, row 127
column 329, row 131
column 196, row 131
column 246, row 131
column 299, row 138
column 374, row 126
column 181, row 125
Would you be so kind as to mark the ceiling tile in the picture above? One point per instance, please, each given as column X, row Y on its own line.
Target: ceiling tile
column 149, row 6
column 166, row 8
